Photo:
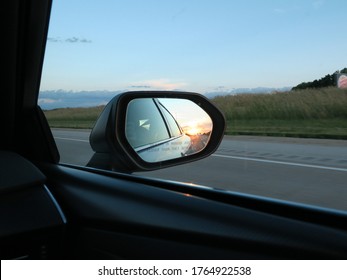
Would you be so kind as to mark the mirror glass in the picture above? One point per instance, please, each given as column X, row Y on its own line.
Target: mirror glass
column 161, row 129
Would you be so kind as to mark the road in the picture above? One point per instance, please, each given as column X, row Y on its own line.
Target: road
column 302, row 170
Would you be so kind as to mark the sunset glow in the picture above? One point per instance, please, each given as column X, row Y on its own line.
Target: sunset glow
column 191, row 130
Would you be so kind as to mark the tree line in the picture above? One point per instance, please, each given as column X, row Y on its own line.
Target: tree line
column 327, row 81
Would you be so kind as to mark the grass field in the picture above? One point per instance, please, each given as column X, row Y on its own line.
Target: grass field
column 73, row 117
column 320, row 128
column 315, row 113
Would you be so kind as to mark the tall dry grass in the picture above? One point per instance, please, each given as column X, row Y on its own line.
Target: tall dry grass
column 325, row 103
column 73, row 117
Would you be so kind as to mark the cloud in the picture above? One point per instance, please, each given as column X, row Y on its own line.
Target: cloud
column 77, row 40
column 54, row 40
column 48, row 101
column 220, row 88
column 51, row 99
column 85, row 41
column 68, row 40
column 140, row 86
column 160, row 84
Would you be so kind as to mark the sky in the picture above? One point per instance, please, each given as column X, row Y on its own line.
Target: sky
column 189, row 115
column 192, row 45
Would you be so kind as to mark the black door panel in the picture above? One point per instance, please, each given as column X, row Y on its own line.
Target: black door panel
column 117, row 218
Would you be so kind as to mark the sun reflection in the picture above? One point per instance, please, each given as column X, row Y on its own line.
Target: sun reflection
column 195, row 128
column 191, row 129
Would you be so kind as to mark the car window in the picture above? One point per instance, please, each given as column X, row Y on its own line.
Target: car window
column 275, row 69
column 143, row 117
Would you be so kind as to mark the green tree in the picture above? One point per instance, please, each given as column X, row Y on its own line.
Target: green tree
column 327, row 81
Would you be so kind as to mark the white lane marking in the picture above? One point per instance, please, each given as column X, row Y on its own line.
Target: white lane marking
column 249, row 159
column 283, row 163
column 71, row 139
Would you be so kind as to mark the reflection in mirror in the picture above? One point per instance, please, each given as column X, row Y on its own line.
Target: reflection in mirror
column 160, row 129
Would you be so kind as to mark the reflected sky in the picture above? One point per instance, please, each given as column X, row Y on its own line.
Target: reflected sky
column 189, row 115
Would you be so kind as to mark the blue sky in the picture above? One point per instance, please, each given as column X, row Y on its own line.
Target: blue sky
column 192, row 45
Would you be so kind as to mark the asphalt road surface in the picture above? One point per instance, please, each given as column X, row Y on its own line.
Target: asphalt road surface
column 302, row 170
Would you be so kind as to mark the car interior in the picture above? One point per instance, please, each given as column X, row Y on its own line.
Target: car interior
column 50, row 210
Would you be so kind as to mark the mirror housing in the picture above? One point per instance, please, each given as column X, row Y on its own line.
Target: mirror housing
column 113, row 150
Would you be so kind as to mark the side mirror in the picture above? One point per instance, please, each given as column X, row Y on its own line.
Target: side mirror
column 148, row 130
